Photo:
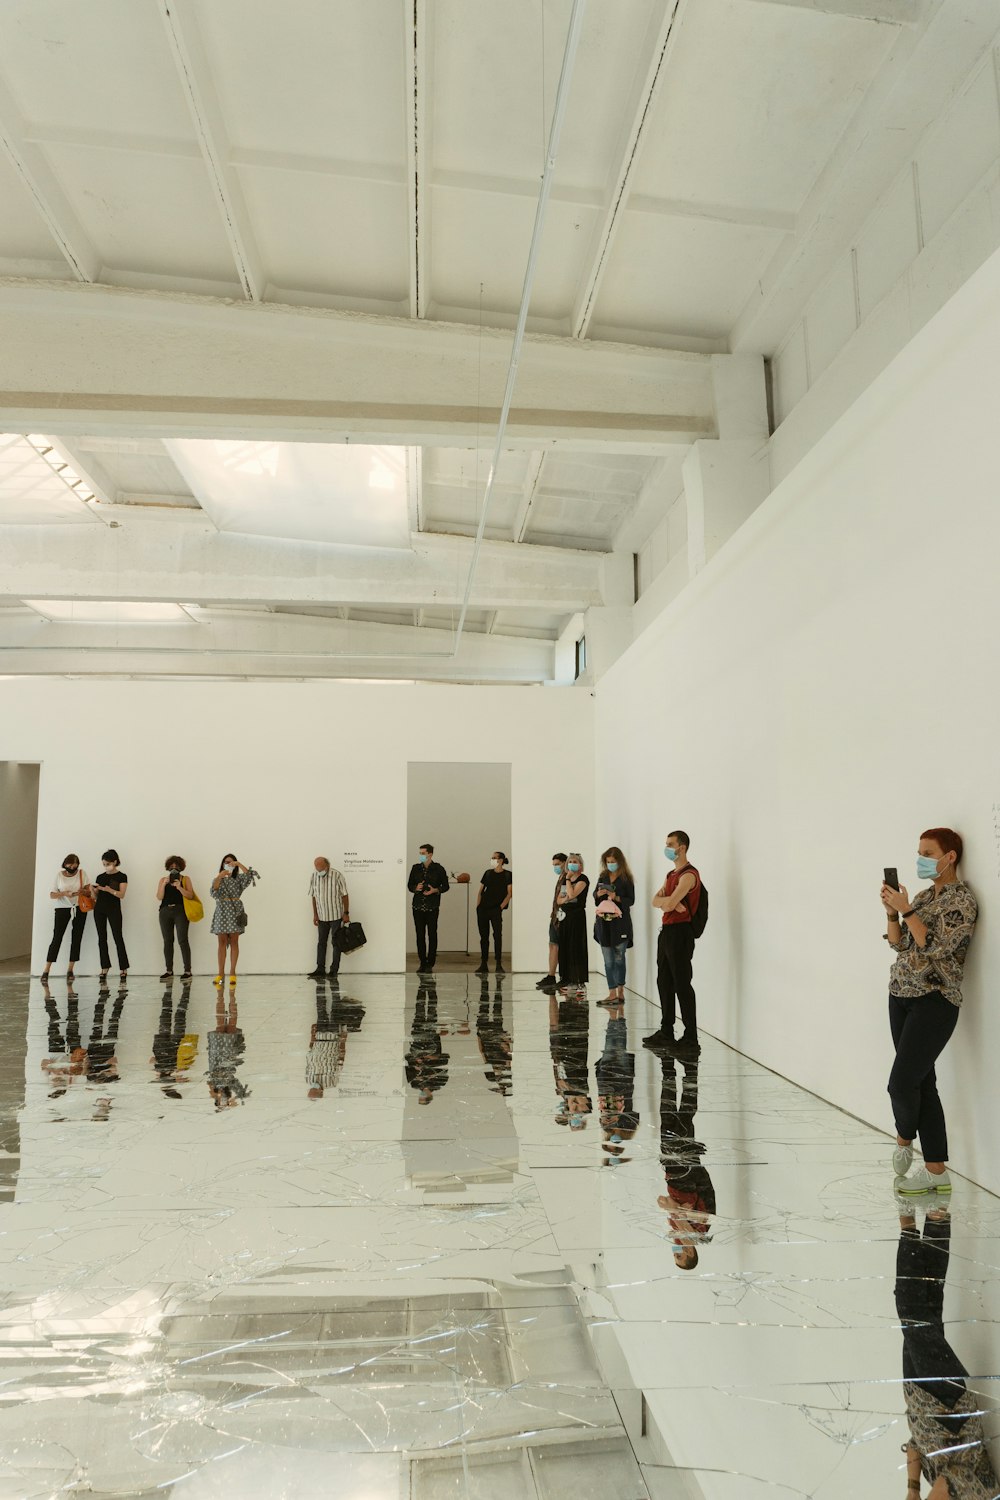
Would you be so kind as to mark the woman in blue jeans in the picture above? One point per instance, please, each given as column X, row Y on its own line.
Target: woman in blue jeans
column 616, row 887
column 930, row 938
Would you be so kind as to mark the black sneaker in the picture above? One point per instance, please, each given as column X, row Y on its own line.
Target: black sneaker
column 659, row 1040
column 316, row 974
column 164, row 977
column 482, row 969
column 689, row 1045
column 499, row 969
column 547, row 982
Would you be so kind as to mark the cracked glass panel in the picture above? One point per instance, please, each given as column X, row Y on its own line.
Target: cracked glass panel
column 450, row 1237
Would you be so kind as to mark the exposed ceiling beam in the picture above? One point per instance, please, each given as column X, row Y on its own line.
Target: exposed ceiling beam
column 158, row 364
column 72, row 452
column 658, row 45
column 39, row 181
column 199, row 91
column 130, row 447
column 896, row 12
column 172, row 555
column 532, row 475
column 262, row 645
column 417, row 154
column 661, row 488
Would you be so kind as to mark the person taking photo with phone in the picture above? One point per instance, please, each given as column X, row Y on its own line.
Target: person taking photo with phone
column 930, row 937
column 173, row 889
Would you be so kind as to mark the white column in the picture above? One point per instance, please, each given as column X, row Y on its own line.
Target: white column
column 727, row 477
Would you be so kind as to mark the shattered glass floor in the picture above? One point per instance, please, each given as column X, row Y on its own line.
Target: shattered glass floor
column 460, row 1240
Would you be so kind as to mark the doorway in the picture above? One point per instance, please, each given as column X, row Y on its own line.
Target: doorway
column 19, row 821
column 463, row 809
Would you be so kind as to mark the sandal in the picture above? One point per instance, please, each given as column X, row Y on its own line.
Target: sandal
column 232, row 979
column 217, row 981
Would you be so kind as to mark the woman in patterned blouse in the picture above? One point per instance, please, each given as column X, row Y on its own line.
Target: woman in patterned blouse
column 230, row 917
column 930, row 937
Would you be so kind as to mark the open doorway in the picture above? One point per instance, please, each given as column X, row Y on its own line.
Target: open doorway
column 19, row 821
column 463, row 809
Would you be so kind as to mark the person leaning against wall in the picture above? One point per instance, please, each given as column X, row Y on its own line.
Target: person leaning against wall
column 109, row 891
column 614, row 894
column 174, row 888
column 548, row 981
column 496, row 888
column 69, row 885
column 931, row 938
column 331, row 905
column 677, row 899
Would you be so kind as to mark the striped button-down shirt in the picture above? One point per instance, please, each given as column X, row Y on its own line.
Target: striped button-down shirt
column 328, row 888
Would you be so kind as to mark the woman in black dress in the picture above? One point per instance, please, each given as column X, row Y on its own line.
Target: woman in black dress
column 571, row 905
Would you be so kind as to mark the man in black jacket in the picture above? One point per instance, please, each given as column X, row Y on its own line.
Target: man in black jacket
column 428, row 881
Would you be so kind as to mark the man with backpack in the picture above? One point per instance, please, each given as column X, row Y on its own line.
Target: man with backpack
column 683, row 901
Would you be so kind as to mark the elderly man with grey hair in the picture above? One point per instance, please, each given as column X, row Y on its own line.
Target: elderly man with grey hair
column 330, row 906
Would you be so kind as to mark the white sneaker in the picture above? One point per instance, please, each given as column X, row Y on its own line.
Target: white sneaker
column 922, row 1181
column 902, row 1159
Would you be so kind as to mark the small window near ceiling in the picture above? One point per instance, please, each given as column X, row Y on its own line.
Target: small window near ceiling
column 581, row 656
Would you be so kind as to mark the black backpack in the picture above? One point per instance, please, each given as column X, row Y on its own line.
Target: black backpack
column 699, row 918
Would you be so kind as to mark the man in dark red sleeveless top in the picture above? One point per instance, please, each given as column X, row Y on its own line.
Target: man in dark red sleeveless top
column 677, row 899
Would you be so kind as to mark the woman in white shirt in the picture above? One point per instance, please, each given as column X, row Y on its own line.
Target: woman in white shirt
column 68, row 886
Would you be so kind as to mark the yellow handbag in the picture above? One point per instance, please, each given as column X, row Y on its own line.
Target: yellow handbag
column 193, row 909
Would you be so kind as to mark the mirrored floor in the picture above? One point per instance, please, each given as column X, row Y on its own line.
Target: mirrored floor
column 458, row 1239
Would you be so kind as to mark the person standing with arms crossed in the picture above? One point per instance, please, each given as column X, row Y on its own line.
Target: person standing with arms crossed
column 677, row 899
column 548, row 981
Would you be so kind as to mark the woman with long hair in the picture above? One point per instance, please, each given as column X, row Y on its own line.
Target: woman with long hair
column 230, row 915
column 615, row 897
column 70, row 884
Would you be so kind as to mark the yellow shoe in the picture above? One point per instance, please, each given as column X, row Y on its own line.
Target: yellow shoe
column 217, row 981
column 232, row 979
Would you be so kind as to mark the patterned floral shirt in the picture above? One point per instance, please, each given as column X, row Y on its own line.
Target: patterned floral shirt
column 950, row 916
column 960, row 1456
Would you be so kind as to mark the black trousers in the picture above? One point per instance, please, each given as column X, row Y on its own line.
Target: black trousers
column 487, row 917
column 103, row 920
column 63, row 916
column 326, row 932
column 425, row 924
column 921, row 1029
column 674, row 952
column 174, row 921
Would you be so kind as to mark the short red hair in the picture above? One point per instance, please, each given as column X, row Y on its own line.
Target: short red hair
column 947, row 840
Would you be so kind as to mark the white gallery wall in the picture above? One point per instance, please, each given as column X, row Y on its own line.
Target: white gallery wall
column 281, row 772
column 823, row 691
column 463, row 809
column 18, row 814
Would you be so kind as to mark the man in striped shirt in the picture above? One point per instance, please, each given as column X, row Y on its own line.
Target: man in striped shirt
column 330, row 906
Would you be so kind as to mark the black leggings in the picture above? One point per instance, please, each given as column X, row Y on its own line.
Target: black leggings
column 112, row 918
column 174, row 920
column 921, row 1029
column 63, row 916
column 487, row 917
column 674, row 952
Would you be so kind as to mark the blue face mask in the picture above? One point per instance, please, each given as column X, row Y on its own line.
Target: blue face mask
column 557, row 869
column 572, row 867
column 669, row 853
column 927, row 868
column 612, row 865
column 422, row 859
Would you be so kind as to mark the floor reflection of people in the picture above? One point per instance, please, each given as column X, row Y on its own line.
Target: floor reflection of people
column 226, row 1048
column 946, row 1446
column 67, row 1056
column 102, row 1048
column 336, row 1016
column 569, row 1023
column 690, row 1197
column 174, row 1048
column 615, row 1073
column 494, row 1039
column 426, row 1060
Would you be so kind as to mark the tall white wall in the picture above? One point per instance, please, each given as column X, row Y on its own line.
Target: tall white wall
column 463, row 808
column 281, row 772
column 820, row 694
column 18, row 814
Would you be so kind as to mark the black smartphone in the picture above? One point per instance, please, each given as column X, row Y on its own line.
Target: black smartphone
column 891, row 878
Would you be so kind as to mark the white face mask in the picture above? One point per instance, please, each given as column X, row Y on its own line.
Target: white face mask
column 229, row 869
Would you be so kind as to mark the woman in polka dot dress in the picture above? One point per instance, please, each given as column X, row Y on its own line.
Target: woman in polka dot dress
column 230, row 918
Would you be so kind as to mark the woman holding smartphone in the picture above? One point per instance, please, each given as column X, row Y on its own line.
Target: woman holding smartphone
column 613, row 928
column 930, row 937
column 174, row 888
column 571, row 909
column 230, row 916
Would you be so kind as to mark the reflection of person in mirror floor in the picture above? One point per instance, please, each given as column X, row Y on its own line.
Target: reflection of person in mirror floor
column 226, row 1048
column 690, row 1197
column 426, row 1061
column 946, row 1444
column 569, row 1023
column 615, row 1073
column 336, row 1016
column 67, row 1057
column 494, row 1039
column 102, row 1061
column 174, row 1050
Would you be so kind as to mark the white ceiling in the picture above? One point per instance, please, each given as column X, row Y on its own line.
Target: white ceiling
column 384, row 156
